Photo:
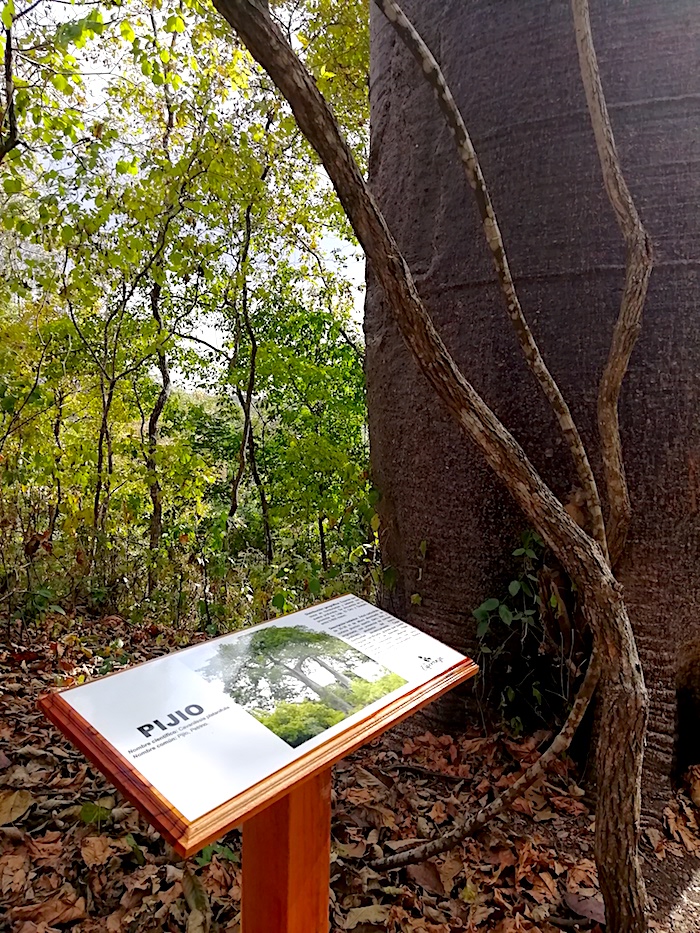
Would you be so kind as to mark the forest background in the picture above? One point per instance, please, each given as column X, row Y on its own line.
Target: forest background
column 183, row 432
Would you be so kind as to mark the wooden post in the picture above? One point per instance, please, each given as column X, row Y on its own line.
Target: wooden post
column 286, row 862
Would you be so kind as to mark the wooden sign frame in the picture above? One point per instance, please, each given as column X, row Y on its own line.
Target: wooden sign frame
column 286, row 816
column 187, row 838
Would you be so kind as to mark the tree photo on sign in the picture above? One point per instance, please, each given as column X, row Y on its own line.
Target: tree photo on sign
column 296, row 681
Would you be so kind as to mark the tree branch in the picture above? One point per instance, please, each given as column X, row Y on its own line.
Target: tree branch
column 639, row 263
column 472, row 168
column 471, row 825
column 9, row 142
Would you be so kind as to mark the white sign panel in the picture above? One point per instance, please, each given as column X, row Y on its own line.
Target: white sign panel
column 203, row 724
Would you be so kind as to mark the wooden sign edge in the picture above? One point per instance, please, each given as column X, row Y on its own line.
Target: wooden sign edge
column 110, row 762
column 186, row 837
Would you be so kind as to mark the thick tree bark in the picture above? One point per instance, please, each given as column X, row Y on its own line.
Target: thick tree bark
column 579, row 554
column 529, row 124
column 494, row 240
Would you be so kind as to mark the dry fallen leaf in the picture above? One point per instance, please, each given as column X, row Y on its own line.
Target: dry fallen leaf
column 96, row 850
column 63, row 908
column 449, row 870
column 350, row 850
column 13, row 871
column 592, row 908
column 375, row 913
column 13, row 804
column 426, row 874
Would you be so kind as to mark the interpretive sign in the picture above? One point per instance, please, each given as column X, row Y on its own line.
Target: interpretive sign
column 205, row 738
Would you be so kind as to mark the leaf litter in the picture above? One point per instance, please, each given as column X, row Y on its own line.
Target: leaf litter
column 75, row 856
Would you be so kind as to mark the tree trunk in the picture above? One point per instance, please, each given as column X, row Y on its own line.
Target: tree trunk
column 327, row 696
column 103, row 476
column 624, row 705
column 340, row 677
column 260, row 486
column 154, row 487
column 322, row 542
column 513, row 68
column 55, row 507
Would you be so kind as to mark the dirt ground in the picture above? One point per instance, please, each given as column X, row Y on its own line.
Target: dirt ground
column 75, row 856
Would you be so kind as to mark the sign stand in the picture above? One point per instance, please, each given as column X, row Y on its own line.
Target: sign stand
column 286, row 862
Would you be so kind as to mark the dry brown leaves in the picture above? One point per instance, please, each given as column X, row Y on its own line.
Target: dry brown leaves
column 76, row 857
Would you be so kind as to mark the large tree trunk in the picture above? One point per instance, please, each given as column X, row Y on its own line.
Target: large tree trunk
column 514, row 71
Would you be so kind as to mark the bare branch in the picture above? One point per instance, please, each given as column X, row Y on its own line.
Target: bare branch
column 204, row 343
column 16, row 415
column 471, row 825
column 11, row 140
column 639, row 265
column 434, row 76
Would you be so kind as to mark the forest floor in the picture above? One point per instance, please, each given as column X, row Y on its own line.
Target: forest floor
column 76, row 857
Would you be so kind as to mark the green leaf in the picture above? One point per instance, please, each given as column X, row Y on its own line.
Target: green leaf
column 505, row 614
column 136, row 849
column 279, row 601
column 221, row 852
column 94, row 813
column 194, row 892
column 175, row 23
column 60, row 82
column 389, row 577
column 127, row 31
column 7, row 13
column 514, row 587
column 12, row 185
column 490, row 605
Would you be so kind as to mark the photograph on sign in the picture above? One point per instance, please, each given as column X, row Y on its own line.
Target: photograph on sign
column 296, row 681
